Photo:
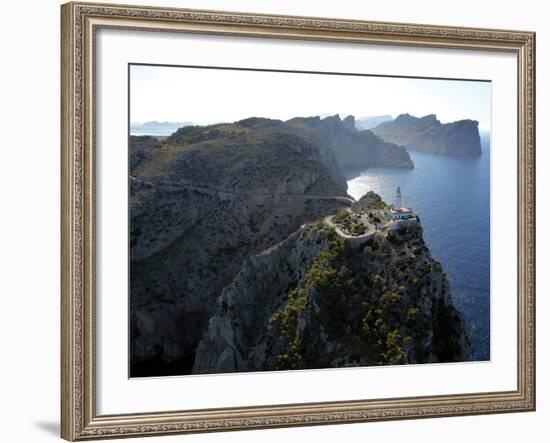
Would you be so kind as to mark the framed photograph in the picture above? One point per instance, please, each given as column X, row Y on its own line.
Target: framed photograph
column 282, row 221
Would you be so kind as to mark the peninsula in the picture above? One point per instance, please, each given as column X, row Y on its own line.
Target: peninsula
column 359, row 288
column 237, row 228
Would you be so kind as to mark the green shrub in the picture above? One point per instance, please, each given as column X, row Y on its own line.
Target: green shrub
column 393, row 354
column 368, row 251
column 412, row 315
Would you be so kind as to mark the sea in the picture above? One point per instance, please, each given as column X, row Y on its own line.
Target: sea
column 152, row 132
column 451, row 195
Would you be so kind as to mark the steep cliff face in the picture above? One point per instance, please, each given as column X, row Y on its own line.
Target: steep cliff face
column 340, row 142
column 201, row 203
column 316, row 301
column 460, row 138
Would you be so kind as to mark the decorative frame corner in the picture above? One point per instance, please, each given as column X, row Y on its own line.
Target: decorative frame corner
column 79, row 21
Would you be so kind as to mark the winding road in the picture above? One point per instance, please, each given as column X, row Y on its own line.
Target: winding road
column 174, row 187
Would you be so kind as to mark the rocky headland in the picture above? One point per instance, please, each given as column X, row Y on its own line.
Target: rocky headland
column 317, row 300
column 346, row 148
column 208, row 204
column 459, row 138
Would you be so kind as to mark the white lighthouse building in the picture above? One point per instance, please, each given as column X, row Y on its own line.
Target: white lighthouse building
column 400, row 212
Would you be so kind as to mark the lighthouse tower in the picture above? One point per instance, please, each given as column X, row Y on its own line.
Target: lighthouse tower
column 400, row 212
column 398, row 200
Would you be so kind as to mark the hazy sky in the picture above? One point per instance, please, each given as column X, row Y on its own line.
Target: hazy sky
column 204, row 96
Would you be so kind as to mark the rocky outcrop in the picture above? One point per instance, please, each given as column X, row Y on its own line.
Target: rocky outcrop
column 344, row 148
column 371, row 200
column 459, row 138
column 316, row 301
column 237, row 331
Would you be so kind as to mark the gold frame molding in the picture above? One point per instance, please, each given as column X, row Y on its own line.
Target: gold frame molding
column 79, row 21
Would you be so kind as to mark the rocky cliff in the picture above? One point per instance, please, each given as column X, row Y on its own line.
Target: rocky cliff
column 201, row 202
column 317, row 301
column 460, row 138
column 205, row 199
column 349, row 148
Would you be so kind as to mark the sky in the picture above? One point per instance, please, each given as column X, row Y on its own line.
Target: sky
column 205, row 96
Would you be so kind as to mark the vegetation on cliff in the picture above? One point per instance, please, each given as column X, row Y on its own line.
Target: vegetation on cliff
column 383, row 302
column 368, row 307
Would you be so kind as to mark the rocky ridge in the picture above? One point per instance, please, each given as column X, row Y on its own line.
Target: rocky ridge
column 201, row 202
column 345, row 148
column 459, row 138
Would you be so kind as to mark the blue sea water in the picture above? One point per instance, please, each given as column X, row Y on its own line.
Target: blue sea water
column 451, row 195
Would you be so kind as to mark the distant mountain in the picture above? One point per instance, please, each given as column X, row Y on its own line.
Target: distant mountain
column 459, row 138
column 156, row 128
column 345, row 148
column 372, row 121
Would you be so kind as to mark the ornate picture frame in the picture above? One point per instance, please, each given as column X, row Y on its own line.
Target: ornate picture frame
column 79, row 417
